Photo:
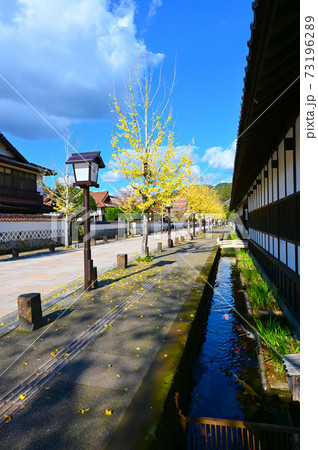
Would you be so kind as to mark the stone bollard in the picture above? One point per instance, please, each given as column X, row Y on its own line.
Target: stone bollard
column 176, row 241
column 182, row 238
column 116, row 237
column 159, row 247
column 105, row 239
column 93, row 241
column 30, row 311
column 125, row 236
column 51, row 247
column 15, row 253
column 122, row 261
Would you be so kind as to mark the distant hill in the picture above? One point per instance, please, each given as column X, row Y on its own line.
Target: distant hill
column 224, row 191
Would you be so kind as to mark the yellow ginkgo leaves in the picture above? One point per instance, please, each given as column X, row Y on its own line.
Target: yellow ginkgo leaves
column 109, row 412
column 82, row 411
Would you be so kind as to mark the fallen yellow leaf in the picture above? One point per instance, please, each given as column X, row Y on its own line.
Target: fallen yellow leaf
column 109, row 412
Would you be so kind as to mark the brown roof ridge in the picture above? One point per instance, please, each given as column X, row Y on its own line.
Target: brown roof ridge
column 8, row 217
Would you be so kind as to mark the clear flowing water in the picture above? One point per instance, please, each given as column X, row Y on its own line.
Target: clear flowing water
column 226, row 379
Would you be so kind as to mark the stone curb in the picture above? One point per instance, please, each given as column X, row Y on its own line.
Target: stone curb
column 142, row 419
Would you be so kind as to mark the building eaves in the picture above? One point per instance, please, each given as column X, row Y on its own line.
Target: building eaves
column 270, row 101
column 26, row 165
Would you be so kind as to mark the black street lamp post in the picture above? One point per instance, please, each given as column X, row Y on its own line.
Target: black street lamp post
column 86, row 166
column 194, row 224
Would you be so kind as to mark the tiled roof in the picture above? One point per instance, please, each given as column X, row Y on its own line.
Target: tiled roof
column 100, row 198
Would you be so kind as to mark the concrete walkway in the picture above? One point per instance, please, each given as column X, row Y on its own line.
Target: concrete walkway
column 45, row 273
column 70, row 384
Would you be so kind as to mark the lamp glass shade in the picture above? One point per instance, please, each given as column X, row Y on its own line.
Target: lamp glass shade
column 94, row 172
column 81, row 171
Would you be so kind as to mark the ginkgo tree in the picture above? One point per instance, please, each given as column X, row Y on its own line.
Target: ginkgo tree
column 144, row 148
column 202, row 199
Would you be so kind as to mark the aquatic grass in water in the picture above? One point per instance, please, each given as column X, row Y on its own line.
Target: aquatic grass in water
column 278, row 337
column 251, row 276
column 260, row 295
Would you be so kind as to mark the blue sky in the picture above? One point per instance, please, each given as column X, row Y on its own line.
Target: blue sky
column 62, row 57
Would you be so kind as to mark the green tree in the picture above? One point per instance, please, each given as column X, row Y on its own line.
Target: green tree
column 111, row 214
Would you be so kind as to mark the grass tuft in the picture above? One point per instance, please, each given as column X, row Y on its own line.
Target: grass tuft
column 279, row 337
column 261, row 297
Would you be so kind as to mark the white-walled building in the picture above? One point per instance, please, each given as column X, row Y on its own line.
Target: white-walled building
column 266, row 179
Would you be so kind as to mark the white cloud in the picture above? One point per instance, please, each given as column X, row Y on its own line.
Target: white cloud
column 154, row 5
column 201, row 177
column 62, row 57
column 126, row 191
column 62, row 180
column 220, row 158
column 195, row 171
column 110, row 176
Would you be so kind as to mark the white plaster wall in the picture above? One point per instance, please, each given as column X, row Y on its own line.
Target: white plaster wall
column 4, row 151
column 297, row 139
column 29, row 226
column 282, row 250
column 298, row 259
column 270, row 180
column 291, row 256
column 275, row 246
column 275, row 179
column 289, row 172
column 281, row 169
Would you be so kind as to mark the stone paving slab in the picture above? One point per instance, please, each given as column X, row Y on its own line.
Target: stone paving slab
column 47, row 272
column 128, row 346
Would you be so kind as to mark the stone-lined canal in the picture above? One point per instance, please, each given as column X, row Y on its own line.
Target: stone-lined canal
column 226, row 379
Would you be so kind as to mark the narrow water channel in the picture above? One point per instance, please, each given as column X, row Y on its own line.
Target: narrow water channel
column 226, row 379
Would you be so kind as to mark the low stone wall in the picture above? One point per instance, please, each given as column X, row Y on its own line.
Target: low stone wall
column 29, row 233
column 28, row 245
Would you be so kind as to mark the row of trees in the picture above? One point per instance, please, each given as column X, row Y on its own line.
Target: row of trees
column 145, row 152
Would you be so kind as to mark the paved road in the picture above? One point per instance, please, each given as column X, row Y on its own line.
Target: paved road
column 108, row 361
column 49, row 272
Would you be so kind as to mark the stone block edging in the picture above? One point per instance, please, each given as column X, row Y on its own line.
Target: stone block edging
column 166, row 376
